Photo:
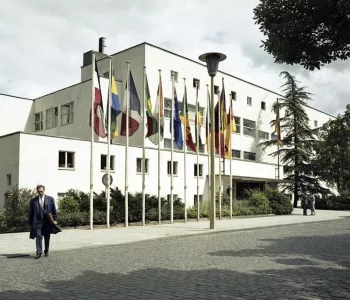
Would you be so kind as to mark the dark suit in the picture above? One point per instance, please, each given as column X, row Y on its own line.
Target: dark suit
column 40, row 223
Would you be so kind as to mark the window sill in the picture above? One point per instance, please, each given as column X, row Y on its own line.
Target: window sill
column 251, row 136
column 200, row 177
column 66, row 169
column 140, row 173
column 174, row 175
column 105, row 171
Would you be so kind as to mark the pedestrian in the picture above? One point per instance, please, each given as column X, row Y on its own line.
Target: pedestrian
column 304, row 204
column 42, row 220
column 312, row 201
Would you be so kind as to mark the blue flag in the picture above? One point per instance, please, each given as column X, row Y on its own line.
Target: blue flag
column 177, row 123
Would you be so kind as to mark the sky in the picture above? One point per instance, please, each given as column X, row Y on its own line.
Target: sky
column 42, row 43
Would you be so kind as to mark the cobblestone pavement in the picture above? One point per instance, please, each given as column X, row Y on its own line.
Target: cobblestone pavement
column 307, row 261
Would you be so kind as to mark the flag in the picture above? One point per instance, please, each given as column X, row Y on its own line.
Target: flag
column 198, row 124
column 177, row 123
column 99, row 125
column 278, row 125
column 184, row 116
column 134, row 109
column 158, row 115
column 115, row 109
column 152, row 123
column 231, row 127
column 208, row 125
column 220, row 114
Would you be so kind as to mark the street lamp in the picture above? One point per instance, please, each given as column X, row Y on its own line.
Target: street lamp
column 212, row 60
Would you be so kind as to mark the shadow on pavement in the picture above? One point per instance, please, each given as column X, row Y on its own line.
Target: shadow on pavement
column 320, row 271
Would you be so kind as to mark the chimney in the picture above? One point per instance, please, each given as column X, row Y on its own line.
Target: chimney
column 101, row 44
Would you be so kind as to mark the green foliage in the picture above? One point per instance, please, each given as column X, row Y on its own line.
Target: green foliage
column 17, row 208
column 341, row 202
column 68, row 203
column 306, row 32
column 332, row 159
column 279, row 202
column 3, row 225
column 298, row 141
column 258, row 202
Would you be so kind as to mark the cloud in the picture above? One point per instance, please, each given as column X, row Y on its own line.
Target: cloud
column 43, row 42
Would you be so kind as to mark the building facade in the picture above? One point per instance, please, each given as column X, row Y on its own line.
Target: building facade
column 47, row 140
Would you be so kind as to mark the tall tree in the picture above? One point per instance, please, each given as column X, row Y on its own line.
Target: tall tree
column 306, row 32
column 332, row 159
column 297, row 139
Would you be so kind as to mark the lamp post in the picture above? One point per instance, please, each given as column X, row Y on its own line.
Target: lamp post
column 212, row 60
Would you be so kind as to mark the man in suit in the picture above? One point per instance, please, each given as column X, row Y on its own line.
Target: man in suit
column 39, row 220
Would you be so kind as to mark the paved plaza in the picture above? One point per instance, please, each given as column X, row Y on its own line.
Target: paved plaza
column 297, row 261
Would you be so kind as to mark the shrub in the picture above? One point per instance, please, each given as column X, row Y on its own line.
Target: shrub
column 3, row 224
column 341, row 202
column 17, row 209
column 73, row 218
column 258, row 202
column 68, row 204
column 279, row 202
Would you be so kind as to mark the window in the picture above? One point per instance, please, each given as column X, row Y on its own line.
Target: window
column 233, row 95
column 104, row 162
column 196, row 81
column 249, row 127
column 168, row 197
column 249, row 101
column 174, row 168
column 195, row 199
column 315, row 123
column 167, row 107
column 106, row 74
column 38, row 121
column 66, row 160
column 238, row 124
column 274, row 136
column 263, row 105
column 216, row 89
column 200, row 169
column 263, row 135
column 167, row 144
column 9, row 179
column 67, row 113
column 139, row 167
column 249, row 155
column 236, row 153
column 51, row 117
column 60, row 195
column 175, row 74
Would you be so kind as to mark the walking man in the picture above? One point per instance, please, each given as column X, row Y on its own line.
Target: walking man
column 42, row 220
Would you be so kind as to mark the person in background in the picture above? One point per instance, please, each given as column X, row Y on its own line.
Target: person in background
column 304, row 203
column 41, row 209
column 312, row 201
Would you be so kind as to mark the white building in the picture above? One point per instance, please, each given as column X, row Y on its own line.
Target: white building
column 47, row 140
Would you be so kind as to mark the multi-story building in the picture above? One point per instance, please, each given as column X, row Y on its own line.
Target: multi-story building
column 47, row 140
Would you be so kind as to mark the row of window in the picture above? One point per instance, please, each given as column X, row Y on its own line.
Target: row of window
column 51, row 117
column 66, row 160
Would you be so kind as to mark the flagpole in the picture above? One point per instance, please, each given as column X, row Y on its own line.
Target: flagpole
column 92, row 143
column 219, row 106
column 208, row 139
column 185, row 150
column 159, row 112
column 278, row 142
column 172, row 151
column 230, row 130
column 143, row 165
column 109, row 141
column 127, row 146
column 197, row 148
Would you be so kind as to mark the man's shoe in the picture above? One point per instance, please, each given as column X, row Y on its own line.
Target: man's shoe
column 38, row 255
column 46, row 254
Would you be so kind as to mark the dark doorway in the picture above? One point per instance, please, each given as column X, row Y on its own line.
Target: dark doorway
column 243, row 186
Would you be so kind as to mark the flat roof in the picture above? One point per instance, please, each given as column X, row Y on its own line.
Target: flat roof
column 1, row 94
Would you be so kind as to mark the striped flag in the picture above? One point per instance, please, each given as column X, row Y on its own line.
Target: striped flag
column 231, row 127
column 152, row 123
column 184, row 115
column 198, row 125
column 115, row 109
column 208, row 125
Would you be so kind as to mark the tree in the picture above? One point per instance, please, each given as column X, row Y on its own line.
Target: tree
column 296, row 151
column 332, row 159
column 306, row 32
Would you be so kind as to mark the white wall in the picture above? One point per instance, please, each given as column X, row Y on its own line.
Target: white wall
column 9, row 163
column 14, row 113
